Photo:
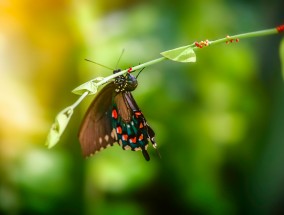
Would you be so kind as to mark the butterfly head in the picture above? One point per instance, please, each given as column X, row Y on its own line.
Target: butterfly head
column 126, row 82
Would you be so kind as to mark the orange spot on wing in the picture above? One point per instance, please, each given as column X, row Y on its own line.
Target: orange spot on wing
column 141, row 125
column 141, row 137
column 118, row 130
column 137, row 114
column 133, row 140
column 124, row 137
column 114, row 114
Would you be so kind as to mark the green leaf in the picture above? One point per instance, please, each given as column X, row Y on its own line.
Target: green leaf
column 182, row 54
column 90, row 86
column 281, row 51
column 58, row 127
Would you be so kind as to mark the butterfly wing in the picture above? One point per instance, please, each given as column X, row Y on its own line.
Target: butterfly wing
column 96, row 131
column 132, row 130
column 133, row 105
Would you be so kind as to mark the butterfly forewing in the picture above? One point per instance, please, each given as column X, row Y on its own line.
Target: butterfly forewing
column 96, row 132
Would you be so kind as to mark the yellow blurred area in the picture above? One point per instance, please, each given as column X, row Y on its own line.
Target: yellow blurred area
column 32, row 49
column 218, row 122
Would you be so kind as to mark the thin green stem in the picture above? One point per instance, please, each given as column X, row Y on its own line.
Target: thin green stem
column 73, row 106
column 238, row 36
column 140, row 66
column 149, row 63
column 246, row 35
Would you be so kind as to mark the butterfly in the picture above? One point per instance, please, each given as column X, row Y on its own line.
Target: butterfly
column 114, row 116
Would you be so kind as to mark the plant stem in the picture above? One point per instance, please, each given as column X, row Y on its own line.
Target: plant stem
column 140, row 66
column 73, row 106
column 246, row 35
column 228, row 38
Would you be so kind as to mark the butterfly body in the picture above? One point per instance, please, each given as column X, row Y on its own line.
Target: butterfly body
column 114, row 116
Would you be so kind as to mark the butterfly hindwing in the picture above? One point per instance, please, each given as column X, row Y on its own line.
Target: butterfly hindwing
column 132, row 130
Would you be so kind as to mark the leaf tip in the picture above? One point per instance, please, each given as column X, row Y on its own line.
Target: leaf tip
column 58, row 127
column 183, row 54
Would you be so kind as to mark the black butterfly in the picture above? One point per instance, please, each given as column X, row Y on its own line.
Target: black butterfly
column 114, row 116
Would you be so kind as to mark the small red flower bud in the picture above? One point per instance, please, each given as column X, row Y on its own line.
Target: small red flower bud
column 280, row 28
column 129, row 70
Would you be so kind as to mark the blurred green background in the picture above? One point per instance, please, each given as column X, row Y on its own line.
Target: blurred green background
column 218, row 122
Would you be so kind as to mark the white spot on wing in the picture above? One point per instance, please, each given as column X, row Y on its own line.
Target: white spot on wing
column 113, row 134
column 137, row 149
column 127, row 147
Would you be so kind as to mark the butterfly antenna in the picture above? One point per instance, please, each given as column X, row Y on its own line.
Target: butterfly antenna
column 139, row 72
column 99, row 64
column 119, row 58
